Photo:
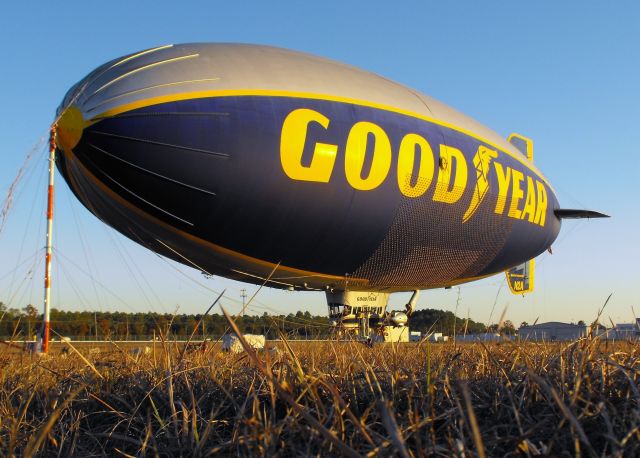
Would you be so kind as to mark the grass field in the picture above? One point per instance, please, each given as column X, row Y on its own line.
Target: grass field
column 324, row 399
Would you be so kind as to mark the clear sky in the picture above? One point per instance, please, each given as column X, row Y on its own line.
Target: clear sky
column 564, row 73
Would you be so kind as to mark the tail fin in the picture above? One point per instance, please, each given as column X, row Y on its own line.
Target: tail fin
column 524, row 144
column 520, row 278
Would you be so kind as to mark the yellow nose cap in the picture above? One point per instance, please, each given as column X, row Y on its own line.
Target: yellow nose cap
column 69, row 128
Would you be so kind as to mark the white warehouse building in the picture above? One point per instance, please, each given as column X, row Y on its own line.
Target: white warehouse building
column 553, row 331
column 624, row 331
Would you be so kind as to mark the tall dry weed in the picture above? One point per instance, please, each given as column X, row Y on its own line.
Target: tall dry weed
column 324, row 398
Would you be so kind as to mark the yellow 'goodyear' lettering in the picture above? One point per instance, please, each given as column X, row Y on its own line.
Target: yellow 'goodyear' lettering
column 445, row 192
column 516, row 194
column 355, row 154
column 292, row 141
column 452, row 170
column 481, row 162
column 406, row 165
column 534, row 209
column 503, row 186
column 541, row 208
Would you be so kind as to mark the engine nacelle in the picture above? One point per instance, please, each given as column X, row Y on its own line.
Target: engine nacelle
column 399, row 318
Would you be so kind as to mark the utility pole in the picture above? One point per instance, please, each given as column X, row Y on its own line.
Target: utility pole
column 243, row 295
column 95, row 322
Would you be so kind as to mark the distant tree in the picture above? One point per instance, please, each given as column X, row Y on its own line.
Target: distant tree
column 524, row 324
column 31, row 314
column 104, row 328
column 581, row 323
column 121, row 329
column 5, row 320
column 433, row 320
column 190, row 325
column 138, row 328
column 508, row 328
column 83, row 329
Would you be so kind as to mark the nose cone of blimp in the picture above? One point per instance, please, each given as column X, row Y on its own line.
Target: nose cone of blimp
column 132, row 129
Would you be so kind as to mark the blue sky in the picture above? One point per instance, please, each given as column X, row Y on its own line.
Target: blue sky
column 564, row 73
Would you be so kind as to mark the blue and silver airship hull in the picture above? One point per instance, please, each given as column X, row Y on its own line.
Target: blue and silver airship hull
column 252, row 162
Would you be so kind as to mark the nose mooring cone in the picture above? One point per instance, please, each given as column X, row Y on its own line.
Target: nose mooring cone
column 69, row 128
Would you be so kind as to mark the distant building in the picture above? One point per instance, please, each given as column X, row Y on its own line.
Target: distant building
column 624, row 331
column 415, row 336
column 598, row 330
column 484, row 337
column 553, row 331
column 438, row 337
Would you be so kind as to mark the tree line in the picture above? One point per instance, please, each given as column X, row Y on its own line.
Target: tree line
column 87, row 325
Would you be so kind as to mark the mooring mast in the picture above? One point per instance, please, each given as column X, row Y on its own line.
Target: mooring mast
column 43, row 344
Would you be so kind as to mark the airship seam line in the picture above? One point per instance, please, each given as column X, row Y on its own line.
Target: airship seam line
column 124, row 94
column 169, row 113
column 139, row 54
column 147, row 202
column 195, row 188
column 184, row 257
column 170, row 145
column 290, row 94
column 139, row 69
column 88, row 83
column 141, row 198
column 261, row 278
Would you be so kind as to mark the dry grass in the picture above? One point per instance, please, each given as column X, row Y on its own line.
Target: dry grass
column 519, row 399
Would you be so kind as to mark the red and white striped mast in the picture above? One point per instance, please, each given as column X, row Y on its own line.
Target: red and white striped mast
column 44, row 336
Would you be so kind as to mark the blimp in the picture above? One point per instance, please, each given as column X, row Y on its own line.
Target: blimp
column 276, row 167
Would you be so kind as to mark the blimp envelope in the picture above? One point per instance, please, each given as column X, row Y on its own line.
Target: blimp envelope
column 268, row 165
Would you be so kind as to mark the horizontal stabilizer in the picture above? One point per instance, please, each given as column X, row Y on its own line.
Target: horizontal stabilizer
column 567, row 213
column 520, row 278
